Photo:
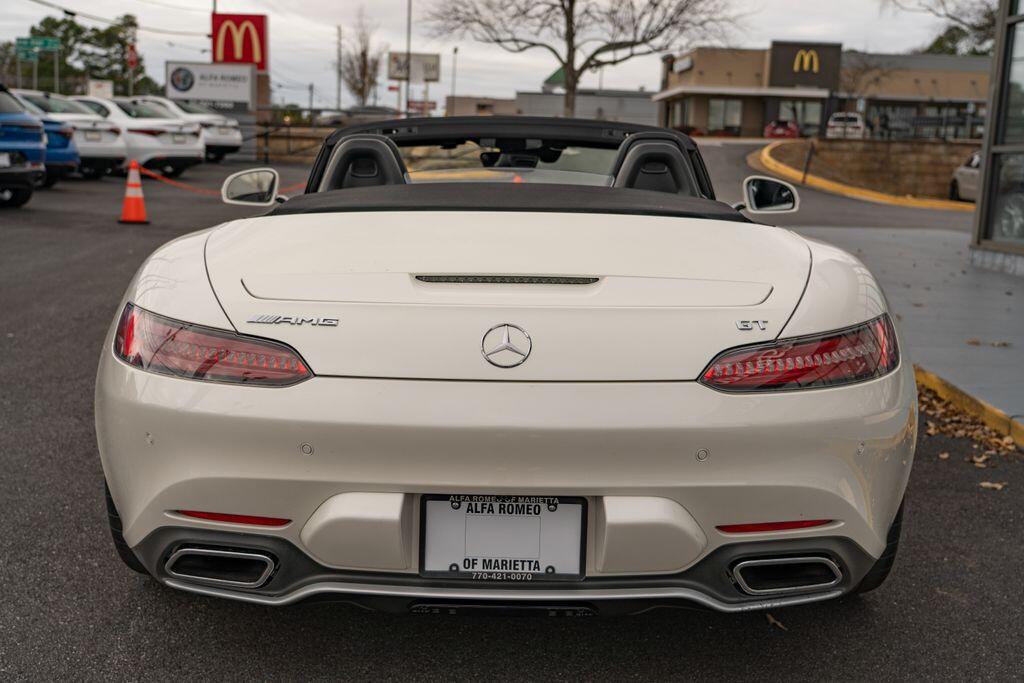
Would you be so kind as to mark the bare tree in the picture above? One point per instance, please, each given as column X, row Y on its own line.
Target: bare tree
column 973, row 22
column 862, row 71
column 584, row 34
column 360, row 67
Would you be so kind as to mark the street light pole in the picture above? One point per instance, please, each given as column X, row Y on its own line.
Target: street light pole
column 408, row 52
column 337, row 101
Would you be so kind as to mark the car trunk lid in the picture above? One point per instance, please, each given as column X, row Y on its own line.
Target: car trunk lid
column 602, row 297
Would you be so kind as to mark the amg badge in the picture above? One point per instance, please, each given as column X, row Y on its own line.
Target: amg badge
column 270, row 319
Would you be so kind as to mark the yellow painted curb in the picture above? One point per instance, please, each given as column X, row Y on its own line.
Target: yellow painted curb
column 987, row 413
column 795, row 175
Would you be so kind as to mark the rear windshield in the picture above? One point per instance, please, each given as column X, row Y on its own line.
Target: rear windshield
column 56, row 105
column 470, row 155
column 9, row 105
column 144, row 110
column 192, row 108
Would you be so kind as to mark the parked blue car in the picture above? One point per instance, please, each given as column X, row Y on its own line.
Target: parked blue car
column 22, row 151
column 61, row 150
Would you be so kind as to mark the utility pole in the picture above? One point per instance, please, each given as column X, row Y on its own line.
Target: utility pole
column 35, row 71
column 455, row 68
column 337, row 100
column 311, row 103
column 56, row 71
column 408, row 52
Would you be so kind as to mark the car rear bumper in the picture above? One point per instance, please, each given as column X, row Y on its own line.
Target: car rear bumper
column 222, row 149
column 165, row 162
column 102, row 163
column 23, row 176
column 298, row 578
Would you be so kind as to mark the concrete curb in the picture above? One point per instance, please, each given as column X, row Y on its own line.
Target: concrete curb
column 796, row 175
column 987, row 413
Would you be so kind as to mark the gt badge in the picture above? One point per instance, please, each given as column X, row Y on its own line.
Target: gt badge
column 747, row 325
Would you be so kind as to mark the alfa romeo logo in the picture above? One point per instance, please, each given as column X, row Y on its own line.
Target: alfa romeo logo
column 182, row 79
column 506, row 345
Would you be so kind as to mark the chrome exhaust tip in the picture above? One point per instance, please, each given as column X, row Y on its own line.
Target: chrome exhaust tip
column 782, row 575
column 220, row 567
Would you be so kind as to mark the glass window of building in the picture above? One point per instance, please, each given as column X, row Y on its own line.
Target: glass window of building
column 1006, row 217
column 805, row 113
column 725, row 116
column 1013, row 119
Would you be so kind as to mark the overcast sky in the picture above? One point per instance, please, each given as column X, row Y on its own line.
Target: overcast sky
column 302, row 39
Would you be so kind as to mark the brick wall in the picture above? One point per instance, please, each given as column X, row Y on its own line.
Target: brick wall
column 921, row 168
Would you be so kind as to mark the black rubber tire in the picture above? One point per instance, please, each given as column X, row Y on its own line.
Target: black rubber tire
column 123, row 551
column 90, row 173
column 215, row 157
column 878, row 573
column 954, row 191
column 172, row 171
column 15, row 197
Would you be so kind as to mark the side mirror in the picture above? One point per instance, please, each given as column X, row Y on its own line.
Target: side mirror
column 255, row 187
column 768, row 195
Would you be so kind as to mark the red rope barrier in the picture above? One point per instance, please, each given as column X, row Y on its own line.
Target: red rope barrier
column 204, row 190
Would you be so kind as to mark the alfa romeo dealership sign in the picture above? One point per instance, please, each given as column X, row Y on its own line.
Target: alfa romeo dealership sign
column 235, row 83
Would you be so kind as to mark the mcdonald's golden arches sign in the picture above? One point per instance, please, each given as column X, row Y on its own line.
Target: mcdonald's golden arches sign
column 240, row 39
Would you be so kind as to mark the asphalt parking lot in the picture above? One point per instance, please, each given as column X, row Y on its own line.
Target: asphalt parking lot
column 951, row 610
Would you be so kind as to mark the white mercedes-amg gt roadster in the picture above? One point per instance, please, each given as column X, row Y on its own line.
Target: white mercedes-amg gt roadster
column 506, row 363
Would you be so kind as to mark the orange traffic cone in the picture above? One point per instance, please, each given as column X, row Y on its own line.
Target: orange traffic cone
column 133, row 210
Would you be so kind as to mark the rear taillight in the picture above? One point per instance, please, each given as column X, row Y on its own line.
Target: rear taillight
column 66, row 131
column 169, row 347
column 846, row 356
column 147, row 131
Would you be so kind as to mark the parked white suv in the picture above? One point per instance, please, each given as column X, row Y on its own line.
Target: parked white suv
column 966, row 181
column 848, row 125
column 221, row 135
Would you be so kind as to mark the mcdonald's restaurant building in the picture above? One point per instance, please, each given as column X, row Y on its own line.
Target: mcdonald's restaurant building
column 736, row 92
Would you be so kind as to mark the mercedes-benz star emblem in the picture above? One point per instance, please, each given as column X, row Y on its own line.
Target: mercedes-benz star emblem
column 506, row 345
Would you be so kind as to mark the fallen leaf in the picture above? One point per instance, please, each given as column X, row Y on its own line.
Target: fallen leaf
column 1001, row 344
column 917, row 305
column 772, row 621
column 994, row 485
column 974, row 342
column 944, row 455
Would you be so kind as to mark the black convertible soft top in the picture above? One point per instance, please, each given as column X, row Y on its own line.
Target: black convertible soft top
column 548, row 198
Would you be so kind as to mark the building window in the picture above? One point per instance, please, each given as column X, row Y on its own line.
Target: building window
column 1013, row 116
column 804, row 113
column 1006, row 218
column 725, row 116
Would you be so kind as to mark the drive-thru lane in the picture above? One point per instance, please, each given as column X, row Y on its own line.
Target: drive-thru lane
column 952, row 608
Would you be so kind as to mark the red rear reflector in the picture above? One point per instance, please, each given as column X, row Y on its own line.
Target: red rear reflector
column 169, row 347
column 235, row 519
column 771, row 526
column 846, row 356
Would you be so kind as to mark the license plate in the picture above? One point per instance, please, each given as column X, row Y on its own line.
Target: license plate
column 5, row 160
column 224, row 130
column 503, row 538
column 178, row 138
column 93, row 136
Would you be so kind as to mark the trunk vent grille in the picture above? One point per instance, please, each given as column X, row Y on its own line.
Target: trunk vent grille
column 506, row 280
